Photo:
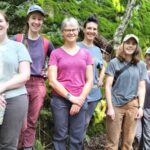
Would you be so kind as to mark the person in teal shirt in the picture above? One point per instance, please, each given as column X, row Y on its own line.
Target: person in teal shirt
column 14, row 72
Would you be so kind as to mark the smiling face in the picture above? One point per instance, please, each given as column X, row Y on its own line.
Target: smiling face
column 70, row 33
column 130, row 46
column 35, row 22
column 90, row 31
column 3, row 25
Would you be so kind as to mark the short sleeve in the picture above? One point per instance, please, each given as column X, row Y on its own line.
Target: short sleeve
column 53, row 58
column 100, row 59
column 110, row 70
column 50, row 48
column 143, row 71
column 23, row 54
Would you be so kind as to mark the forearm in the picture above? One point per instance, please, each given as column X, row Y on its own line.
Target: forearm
column 86, row 89
column 141, row 94
column 108, row 97
column 59, row 88
column 16, row 81
column 89, row 82
column 19, row 79
column 102, row 73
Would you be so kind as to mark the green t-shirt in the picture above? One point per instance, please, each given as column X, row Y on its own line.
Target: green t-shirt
column 11, row 54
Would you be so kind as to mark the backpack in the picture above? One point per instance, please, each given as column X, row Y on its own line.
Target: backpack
column 20, row 38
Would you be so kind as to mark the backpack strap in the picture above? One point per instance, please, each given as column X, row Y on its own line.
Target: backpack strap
column 45, row 45
column 19, row 37
column 119, row 72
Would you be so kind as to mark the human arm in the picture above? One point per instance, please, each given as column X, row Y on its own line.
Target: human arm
column 19, row 79
column 108, row 86
column 86, row 89
column 59, row 88
column 74, row 109
column 89, row 82
column 102, row 75
column 141, row 97
column 2, row 101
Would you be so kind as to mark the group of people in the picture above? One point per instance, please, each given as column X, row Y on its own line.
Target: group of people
column 76, row 72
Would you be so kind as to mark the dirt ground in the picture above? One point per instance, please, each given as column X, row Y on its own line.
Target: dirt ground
column 96, row 143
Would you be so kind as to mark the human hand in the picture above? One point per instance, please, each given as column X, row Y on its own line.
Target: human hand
column 139, row 113
column 74, row 109
column 111, row 113
column 100, row 82
column 2, row 101
column 44, row 73
column 78, row 100
column 2, row 88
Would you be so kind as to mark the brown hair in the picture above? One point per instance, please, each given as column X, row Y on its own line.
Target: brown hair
column 136, row 56
column 4, row 15
column 26, row 29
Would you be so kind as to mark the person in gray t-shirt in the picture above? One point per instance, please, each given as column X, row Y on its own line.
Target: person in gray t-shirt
column 125, row 98
column 90, row 30
column 14, row 72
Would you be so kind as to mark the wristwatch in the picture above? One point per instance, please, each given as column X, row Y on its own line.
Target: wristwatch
column 68, row 96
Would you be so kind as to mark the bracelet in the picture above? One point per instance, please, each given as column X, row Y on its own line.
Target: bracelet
column 68, row 96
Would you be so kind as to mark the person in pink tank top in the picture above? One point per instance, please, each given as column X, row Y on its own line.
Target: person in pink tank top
column 71, row 77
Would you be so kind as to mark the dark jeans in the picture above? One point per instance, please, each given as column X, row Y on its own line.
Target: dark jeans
column 16, row 110
column 90, row 111
column 67, row 126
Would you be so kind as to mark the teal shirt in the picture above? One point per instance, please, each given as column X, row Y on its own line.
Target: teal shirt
column 95, row 93
column 11, row 54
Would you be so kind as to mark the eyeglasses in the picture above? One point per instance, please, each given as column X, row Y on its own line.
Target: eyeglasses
column 70, row 30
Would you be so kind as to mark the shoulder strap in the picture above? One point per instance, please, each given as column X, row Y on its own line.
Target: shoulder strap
column 19, row 38
column 118, row 73
column 45, row 45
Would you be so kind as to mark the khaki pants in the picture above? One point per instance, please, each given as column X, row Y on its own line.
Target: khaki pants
column 124, row 122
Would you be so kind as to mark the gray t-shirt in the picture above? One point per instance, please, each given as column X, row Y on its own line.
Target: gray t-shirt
column 11, row 54
column 95, row 93
column 126, row 86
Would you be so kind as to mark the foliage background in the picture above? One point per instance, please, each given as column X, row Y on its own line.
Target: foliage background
column 109, row 13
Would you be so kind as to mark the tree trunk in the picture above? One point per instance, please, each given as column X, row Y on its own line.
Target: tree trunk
column 123, row 25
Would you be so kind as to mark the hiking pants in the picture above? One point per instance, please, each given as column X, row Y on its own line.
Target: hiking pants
column 124, row 122
column 16, row 109
column 36, row 92
column 67, row 126
column 90, row 111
